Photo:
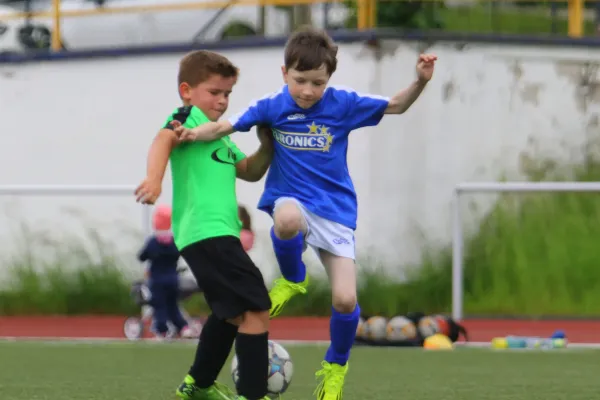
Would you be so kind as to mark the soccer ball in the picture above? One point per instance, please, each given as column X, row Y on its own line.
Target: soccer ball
column 375, row 327
column 281, row 370
column 428, row 326
column 400, row 329
column 360, row 328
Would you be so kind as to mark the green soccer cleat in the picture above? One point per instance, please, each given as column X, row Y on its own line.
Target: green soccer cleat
column 189, row 391
column 332, row 381
column 282, row 291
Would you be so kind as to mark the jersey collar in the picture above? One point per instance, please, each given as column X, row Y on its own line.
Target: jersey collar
column 315, row 107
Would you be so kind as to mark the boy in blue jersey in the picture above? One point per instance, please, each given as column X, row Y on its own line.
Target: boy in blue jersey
column 308, row 190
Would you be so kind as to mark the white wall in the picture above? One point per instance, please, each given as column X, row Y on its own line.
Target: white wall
column 487, row 110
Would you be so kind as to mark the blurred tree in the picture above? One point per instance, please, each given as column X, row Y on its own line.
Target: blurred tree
column 237, row 29
column 403, row 14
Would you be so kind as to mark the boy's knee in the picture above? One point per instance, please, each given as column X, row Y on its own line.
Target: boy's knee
column 344, row 303
column 255, row 322
column 288, row 220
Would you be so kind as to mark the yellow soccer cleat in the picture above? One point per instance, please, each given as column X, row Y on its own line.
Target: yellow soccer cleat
column 332, row 381
column 282, row 291
column 189, row 391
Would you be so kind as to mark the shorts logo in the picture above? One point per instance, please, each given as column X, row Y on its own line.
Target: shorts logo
column 340, row 240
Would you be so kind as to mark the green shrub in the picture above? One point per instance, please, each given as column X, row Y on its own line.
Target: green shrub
column 94, row 289
column 45, row 277
column 532, row 255
column 536, row 254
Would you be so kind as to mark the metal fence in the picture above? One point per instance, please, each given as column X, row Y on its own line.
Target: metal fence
column 575, row 18
column 458, row 237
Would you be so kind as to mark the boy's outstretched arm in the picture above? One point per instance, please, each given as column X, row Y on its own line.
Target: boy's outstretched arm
column 205, row 132
column 254, row 115
column 158, row 158
column 405, row 98
column 254, row 167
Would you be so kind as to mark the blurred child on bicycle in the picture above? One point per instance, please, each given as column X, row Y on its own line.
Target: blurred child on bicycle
column 163, row 278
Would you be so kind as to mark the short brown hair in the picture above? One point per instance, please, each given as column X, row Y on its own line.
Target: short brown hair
column 309, row 49
column 198, row 66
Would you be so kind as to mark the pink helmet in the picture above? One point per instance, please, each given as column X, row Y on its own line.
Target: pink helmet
column 161, row 220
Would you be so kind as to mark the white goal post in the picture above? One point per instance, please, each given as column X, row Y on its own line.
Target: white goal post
column 496, row 187
column 78, row 190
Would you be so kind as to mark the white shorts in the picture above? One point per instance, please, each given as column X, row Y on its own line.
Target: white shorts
column 324, row 234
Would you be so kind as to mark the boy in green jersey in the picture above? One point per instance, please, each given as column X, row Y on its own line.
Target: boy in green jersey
column 206, row 228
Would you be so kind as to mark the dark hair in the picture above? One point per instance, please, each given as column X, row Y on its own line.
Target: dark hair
column 309, row 49
column 198, row 66
column 245, row 218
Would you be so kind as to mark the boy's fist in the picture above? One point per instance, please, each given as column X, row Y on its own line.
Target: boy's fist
column 183, row 134
column 148, row 191
column 425, row 66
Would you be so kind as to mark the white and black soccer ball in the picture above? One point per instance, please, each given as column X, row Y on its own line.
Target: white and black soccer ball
column 400, row 329
column 428, row 326
column 281, row 369
column 375, row 328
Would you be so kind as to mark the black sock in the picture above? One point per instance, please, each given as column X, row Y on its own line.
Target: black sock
column 213, row 349
column 253, row 364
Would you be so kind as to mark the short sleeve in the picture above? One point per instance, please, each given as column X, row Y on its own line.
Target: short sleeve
column 255, row 114
column 190, row 117
column 365, row 109
column 238, row 155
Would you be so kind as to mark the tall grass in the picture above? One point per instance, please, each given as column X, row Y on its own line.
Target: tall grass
column 77, row 276
column 537, row 254
column 532, row 255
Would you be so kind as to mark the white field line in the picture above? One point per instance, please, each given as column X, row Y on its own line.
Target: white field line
column 100, row 340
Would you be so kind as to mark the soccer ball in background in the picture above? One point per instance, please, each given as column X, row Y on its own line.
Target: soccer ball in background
column 428, row 326
column 281, row 369
column 400, row 329
column 360, row 328
column 375, row 328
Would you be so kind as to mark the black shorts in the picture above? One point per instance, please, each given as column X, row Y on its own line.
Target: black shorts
column 229, row 279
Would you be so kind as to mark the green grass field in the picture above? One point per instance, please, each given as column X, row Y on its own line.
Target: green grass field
column 138, row 371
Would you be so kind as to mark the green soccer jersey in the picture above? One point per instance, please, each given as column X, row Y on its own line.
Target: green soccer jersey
column 203, row 174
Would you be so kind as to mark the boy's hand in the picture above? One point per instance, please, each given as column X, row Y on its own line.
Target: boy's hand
column 265, row 135
column 148, row 191
column 425, row 66
column 185, row 134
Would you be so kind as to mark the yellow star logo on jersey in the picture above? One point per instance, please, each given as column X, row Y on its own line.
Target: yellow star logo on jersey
column 313, row 128
column 328, row 137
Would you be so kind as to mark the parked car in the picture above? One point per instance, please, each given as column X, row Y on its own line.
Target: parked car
column 17, row 36
column 144, row 28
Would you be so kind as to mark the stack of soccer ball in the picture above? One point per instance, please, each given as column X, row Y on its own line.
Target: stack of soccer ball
column 405, row 330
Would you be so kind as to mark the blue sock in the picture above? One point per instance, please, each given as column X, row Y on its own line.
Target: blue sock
column 289, row 257
column 342, row 330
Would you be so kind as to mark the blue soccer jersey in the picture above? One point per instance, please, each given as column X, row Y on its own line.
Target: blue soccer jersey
column 311, row 146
